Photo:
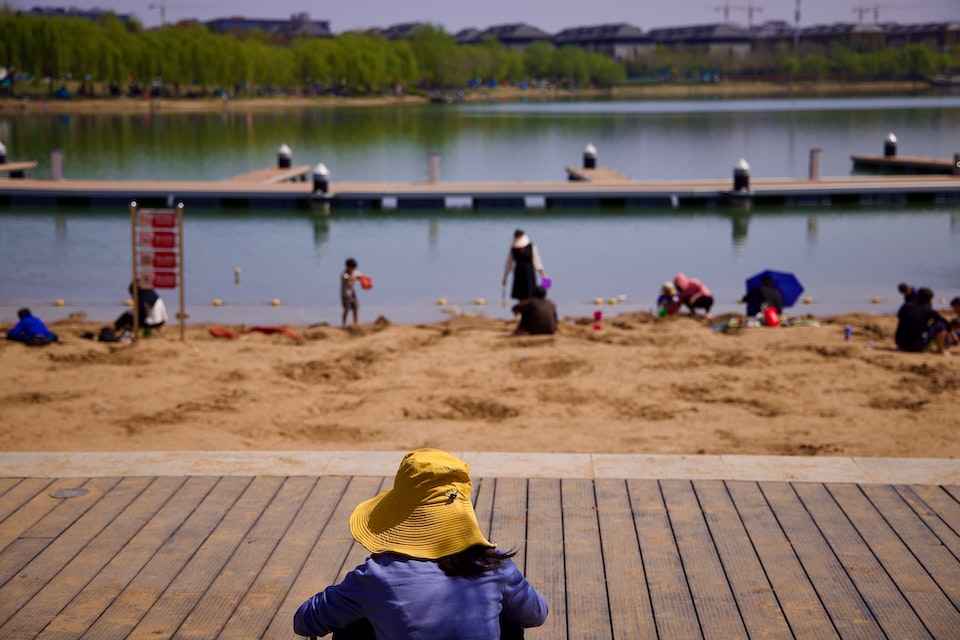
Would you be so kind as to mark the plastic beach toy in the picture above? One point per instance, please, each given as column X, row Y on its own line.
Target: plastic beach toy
column 366, row 282
column 546, row 283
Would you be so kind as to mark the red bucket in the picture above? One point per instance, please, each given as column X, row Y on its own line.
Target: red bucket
column 366, row 282
column 770, row 317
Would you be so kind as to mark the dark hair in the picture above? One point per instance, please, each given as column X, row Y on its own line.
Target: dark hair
column 351, row 262
column 955, row 301
column 903, row 287
column 924, row 296
column 474, row 561
column 540, row 292
column 24, row 313
column 518, row 233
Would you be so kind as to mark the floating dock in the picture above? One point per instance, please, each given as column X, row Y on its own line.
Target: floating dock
column 17, row 169
column 907, row 164
column 595, row 188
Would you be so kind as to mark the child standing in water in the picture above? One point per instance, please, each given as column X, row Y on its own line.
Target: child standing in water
column 348, row 290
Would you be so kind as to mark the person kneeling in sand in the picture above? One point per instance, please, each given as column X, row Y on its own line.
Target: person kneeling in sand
column 31, row 330
column 919, row 325
column 538, row 316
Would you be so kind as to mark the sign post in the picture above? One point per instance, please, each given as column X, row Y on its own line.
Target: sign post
column 156, row 250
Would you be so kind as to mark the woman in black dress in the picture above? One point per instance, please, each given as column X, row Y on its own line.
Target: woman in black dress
column 525, row 261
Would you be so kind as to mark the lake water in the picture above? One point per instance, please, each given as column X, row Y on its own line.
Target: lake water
column 844, row 257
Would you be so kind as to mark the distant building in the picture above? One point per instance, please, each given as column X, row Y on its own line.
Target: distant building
column 516, row 37
column 299, row 24
column 73, row 12
column 720, row 38
column 620, row 41
column 403, row 31
column 942, row 35
column 858, row 37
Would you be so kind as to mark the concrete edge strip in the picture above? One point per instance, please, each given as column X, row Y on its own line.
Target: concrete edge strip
column 64, row 464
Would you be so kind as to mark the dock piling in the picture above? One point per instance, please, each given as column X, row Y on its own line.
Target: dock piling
column 890, row 146
column 56, row 164
column 741, row 176
column 284, row 157
column 3, row 153
column 590, row 157
column 815, row 163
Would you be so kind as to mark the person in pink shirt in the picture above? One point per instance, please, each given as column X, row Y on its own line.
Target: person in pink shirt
column 694, row 294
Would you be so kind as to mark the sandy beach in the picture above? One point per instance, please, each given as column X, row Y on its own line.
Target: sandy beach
column 637, row 385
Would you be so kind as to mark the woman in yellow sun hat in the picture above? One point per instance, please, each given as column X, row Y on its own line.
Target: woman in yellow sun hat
column 432, row 573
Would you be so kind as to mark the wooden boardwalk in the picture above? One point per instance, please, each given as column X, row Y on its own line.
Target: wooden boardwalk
column 193, row 556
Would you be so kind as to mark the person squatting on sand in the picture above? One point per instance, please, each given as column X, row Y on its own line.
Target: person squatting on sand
column 151, row 311
column 431, row 574
column 525, row 261
column 538, row 316
column 31, row 330
column 694, row 294
column 919, row 326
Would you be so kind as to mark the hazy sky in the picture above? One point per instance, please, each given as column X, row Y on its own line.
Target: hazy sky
column 549, row 15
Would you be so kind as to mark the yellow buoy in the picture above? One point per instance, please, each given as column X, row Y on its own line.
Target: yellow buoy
column 275, row 302
column 442, row 302
column 218, row 302
column 877, row 300
column 128, row 302
column 598, row 301
column 612, row 301
column 481, row 302
column 808, row 300
column 58, row 302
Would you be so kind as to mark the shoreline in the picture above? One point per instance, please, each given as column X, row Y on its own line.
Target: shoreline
column 740, row 90
column 639, row 385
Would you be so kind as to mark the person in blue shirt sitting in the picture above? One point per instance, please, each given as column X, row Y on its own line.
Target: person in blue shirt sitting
column 31, row 330
column 431, row 573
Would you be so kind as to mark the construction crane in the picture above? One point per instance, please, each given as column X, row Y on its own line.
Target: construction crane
column 751, row 8
column 162, row 6
column 862, row 10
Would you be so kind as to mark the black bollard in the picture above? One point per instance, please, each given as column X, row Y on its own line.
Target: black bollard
column 321, row 179
column 589, row 157
column 890, row 146
column 3, row 153
column 284, row 156
column 741, row 176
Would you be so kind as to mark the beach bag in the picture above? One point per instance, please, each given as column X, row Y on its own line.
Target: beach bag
column 107, row 335
column 366, row 282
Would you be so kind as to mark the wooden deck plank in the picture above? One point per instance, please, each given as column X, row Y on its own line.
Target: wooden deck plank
column 221, row 598
column 797, row 597
column 5, row 485
column 631, row 613
column 891, row 609
column 273, row 175
column 759, row 607
column 123, row 512
column 123, row 614
column 483, row 494
column 926, row 504
column 22, row 505
column 849, row 613
column 508, row 528
column 716, row 605
column 945, row 502
column 41, row 551
column 356, row 553
column 263, row 601
column 937, row 613
column 109, row 584
column 588, row 609
column 673, row 606
column 545, row 543
column 325, row 560
column 169, row 612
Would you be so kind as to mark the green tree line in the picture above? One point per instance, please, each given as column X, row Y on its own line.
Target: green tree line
column 109, row 54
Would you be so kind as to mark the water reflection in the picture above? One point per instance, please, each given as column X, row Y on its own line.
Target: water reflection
column 813, row 229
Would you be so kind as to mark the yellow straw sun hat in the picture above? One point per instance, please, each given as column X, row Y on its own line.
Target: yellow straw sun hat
column 427, row 514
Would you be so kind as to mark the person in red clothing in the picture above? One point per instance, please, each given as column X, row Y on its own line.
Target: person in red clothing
column 694, row 294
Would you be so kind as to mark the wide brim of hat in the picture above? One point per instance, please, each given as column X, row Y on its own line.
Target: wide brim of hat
column 429, row 532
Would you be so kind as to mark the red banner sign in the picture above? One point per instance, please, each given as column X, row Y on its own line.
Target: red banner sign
column 157, row 239
column 156, row 219
column 158, row 279
column 158, row 259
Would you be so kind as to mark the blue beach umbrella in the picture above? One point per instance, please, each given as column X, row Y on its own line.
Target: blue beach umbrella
column 788, row 284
